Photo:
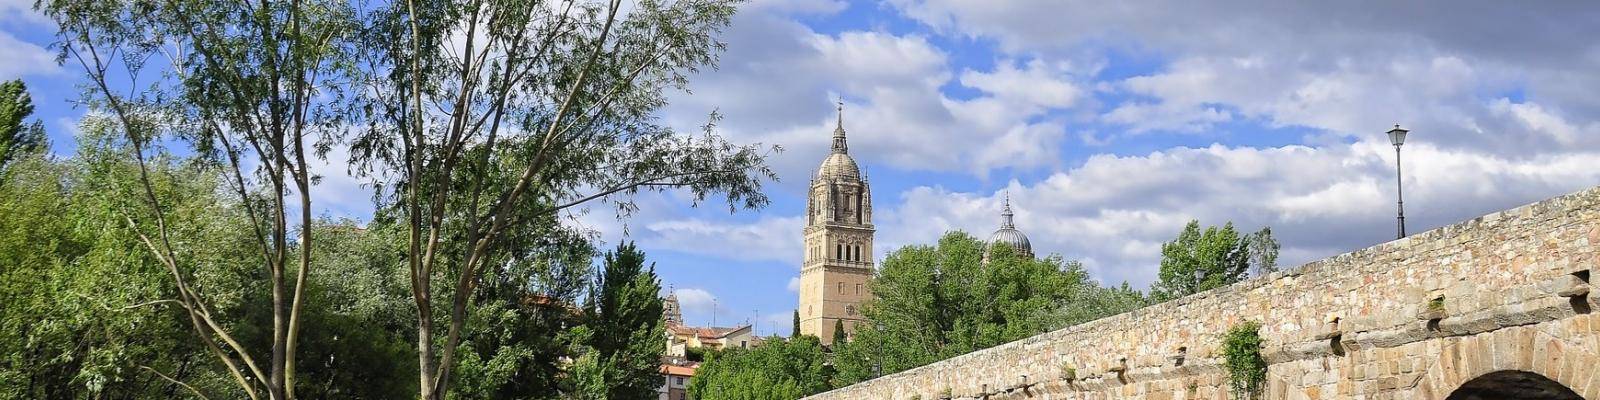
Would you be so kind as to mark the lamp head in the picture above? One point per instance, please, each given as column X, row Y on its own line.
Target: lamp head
column 1397, row 136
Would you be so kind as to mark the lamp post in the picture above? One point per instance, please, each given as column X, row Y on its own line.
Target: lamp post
column 1397, row 136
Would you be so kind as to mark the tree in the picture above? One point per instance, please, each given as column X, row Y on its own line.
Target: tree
column 1197, row 261
column 254, row 87
column 838, row 332
column 17, row 136
column 1263, row 251
column 776, row 370
column 796, row 330
column 69, row 258
column 936, row 302
column 625, row 353
column 536, row 109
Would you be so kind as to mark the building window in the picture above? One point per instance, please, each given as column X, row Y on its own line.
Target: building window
column 841, row 287
column 858, row 288
column 743, row 344
column 680, row 380
column 838, row 251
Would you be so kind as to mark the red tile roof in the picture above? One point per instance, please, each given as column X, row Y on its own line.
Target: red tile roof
column 680, row 370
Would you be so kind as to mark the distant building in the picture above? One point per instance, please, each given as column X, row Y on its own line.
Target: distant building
column 676, row 369
column 675, row 381
column 681, row 338
column 1008, row 235
column 838, row 245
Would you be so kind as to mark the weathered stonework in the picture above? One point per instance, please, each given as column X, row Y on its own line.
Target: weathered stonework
column 1515, row 289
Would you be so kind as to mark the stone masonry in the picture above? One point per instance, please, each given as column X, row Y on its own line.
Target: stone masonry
column 1514, row 287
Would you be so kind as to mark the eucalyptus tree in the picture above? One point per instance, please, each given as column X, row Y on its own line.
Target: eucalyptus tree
column 486, row 119
column 254, row 86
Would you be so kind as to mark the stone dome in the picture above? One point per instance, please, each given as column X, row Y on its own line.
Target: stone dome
column 1009, row 234
column 839, row 165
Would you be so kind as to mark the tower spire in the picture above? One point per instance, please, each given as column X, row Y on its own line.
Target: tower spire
column 1005, row 213
column 839, row 145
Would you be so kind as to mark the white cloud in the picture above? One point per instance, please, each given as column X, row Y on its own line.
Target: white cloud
column 769, row 238
column 794, row 284
column 778, row 79
column 1113, row 212
column 695, row 300
column 24, row 58
column 21, row 11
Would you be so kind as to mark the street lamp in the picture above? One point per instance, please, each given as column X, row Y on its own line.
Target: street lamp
column 1397, row 136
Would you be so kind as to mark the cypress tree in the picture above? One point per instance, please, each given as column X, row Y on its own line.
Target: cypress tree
column 838, row 332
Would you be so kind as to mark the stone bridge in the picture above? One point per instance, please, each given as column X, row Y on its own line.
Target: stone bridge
column 1498, row 307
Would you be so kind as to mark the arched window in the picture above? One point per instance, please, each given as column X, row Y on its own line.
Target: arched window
column 858, row 288
column 838, row 251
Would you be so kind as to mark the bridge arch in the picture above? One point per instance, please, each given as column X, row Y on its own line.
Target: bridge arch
column 1523, row 362
column 1513, row 385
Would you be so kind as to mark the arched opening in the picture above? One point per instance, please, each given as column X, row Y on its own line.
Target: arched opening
column 1513, row 385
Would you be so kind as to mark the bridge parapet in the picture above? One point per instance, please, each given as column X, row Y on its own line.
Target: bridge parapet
column 1411, row 318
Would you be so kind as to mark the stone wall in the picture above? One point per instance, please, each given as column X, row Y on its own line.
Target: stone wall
column 1514, row 293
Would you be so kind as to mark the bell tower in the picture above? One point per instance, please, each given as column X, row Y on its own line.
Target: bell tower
column 838, row 244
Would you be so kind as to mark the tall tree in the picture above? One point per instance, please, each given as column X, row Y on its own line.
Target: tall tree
column 838, row 333
column 1198, row 260
column 625, row 352
column 935, row 302
column 488, row 117
column 17, row 135
column 1263, row 251
column 795, row 332
column 253, row 86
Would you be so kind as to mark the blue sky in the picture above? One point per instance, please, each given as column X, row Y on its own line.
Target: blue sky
column 1110, row 125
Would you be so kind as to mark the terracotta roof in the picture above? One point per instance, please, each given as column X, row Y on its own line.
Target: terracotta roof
column 679, row 370
column 705, row 332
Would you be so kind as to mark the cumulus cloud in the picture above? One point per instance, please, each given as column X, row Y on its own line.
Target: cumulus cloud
column 794, row 284
column 778, row 79
column 697, row 301
column 768, row 238
column 24, row 58
column 1113, row 212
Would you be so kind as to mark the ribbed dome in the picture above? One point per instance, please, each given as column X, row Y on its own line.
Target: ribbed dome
column 1009, row 234
column 1012, row 237
column 839, row 165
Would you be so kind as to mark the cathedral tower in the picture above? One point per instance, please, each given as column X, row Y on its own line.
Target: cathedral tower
column 838, row 244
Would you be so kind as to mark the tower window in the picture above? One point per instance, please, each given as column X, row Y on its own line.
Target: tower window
column 838, row 251
column 841, row 287
column 858, row 288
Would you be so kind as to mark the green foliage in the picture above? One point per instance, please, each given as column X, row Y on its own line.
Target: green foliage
column 936, row 302
column 18, row 137
column 80, row 295
column 795, row 332
column 1241, row 357
column 776, row 370
column 699, row 354
column 1436, row 304
column 1197, row 261
column 624, row 355
column 839, row 337
column 1068, row 373
column 1263, row 250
